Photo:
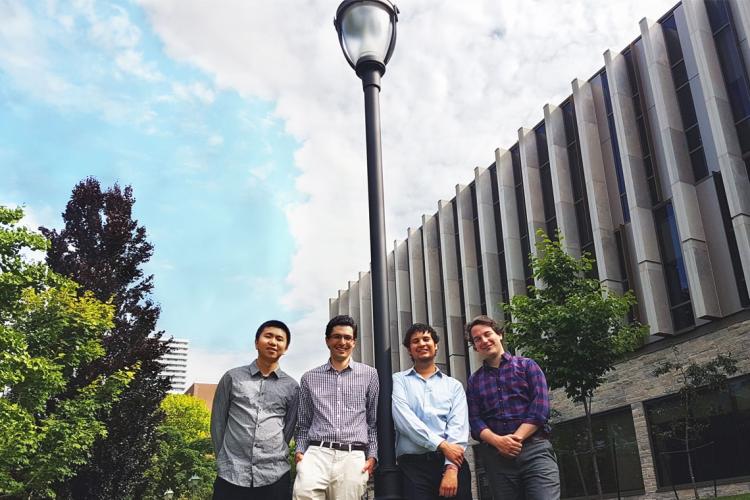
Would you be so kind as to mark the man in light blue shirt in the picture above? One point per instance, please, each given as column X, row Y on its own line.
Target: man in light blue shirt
column 432, row 423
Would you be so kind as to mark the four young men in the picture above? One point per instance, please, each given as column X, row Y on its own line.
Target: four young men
column 505, row 407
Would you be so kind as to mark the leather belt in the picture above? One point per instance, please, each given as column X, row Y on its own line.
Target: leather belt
column 339, row 446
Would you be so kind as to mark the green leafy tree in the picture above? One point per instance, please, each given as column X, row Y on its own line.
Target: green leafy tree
column 574, row 328
column 104, row 249
column 694, row 380
column 184, row 451
column 48, row 331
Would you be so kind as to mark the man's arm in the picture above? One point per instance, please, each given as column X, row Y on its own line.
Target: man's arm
column 290, row 419
column 406, row 421
column 304, row 421
column 538, row 409
column 473, row 399
column 373, row 389
column 506, row 445
column 457, row 425
column 220, row 412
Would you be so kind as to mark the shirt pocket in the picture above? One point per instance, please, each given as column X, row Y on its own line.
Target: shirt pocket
column 355, row 399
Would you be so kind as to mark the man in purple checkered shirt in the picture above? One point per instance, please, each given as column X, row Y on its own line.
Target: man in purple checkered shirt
column 508, row 412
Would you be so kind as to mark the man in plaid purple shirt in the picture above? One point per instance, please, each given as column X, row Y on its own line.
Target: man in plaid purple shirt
column 508, row 411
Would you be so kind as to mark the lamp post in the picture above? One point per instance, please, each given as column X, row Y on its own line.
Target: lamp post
column 367, row 34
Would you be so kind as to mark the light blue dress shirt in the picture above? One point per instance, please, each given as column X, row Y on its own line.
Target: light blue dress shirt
column 428, row 411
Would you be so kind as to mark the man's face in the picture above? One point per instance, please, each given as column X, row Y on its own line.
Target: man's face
column 487, row 342
column 341, row 342
column 271, row 344
column 422, row 347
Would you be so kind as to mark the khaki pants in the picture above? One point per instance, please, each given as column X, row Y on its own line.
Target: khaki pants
column 326, row 474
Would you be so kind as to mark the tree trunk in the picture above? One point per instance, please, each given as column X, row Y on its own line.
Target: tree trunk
column 590, row 433
column 580, row 474
column 689, row 458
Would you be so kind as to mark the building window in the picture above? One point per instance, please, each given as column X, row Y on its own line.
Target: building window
column 615, row 148
column 644, row 131
column 478, row 248
column 734, row 252
column 674, row 267
column 545, row 177
column 499, row 235
column 523, row 227
column 577, row 180
column 733, row 69
column 684, row 98
column 616, row 455
column 722, row 445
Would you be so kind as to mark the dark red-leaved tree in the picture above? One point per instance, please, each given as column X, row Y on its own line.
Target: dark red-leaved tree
column 103, row 248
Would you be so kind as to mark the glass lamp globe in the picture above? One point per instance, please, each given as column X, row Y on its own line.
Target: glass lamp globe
column 367, row 31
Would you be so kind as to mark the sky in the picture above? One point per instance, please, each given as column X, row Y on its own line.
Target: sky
column 240, row 127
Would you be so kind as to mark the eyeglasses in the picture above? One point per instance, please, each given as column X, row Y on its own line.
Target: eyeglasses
column 337, row 337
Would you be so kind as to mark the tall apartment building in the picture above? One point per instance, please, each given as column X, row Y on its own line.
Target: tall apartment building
column 175, row 365
column 646, row 166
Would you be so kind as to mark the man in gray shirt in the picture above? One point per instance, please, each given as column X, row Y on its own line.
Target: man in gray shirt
column 337, row 443
column 252, row 421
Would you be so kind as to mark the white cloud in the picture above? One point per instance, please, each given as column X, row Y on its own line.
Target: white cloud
column 464, row 77
column 131, row 61
column 262, row 172
column 215, row 140
column 195, row 91
column 115, row 31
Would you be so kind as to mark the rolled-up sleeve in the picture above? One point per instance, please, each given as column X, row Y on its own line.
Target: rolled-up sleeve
column 538, row 409
column 474, row 402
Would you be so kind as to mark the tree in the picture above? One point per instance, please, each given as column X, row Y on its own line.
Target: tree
column 184, row 451
column 103, row 248
column 574, row 328
column 48, row 330
column 694, row 380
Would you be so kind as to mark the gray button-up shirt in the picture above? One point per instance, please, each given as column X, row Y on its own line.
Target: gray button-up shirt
column 339, row 406
column 252, row 421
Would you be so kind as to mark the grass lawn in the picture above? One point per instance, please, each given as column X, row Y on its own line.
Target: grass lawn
column 744, row 496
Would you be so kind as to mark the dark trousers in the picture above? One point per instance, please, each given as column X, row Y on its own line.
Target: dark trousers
column 532, row 475
column 280, row 490
column 423, row 473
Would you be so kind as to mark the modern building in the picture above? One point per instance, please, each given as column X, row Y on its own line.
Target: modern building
column 645, row 166
column 175, row 364
column 204, row 392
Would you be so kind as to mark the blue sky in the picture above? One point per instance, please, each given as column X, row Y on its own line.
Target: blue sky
column 211, row 171
column 240, row 128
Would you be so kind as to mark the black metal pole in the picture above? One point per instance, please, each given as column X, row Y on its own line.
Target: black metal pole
column 387, row 476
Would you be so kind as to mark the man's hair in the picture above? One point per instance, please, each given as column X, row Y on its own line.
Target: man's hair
column 341, row 320
column 274, row 323
column 481, row 320
column 419, row 328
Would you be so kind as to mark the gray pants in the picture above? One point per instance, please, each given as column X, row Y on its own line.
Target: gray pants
column 532, row 475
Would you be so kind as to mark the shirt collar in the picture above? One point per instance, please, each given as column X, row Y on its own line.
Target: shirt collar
column 254, row 370
column 504, row 357
column 328, row 366
column 413, row 371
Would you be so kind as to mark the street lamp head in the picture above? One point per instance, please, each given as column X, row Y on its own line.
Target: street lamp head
column 367, row 32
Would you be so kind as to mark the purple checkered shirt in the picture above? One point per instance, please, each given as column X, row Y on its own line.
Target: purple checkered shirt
column 504, row 398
